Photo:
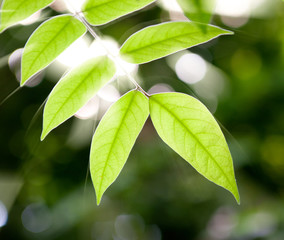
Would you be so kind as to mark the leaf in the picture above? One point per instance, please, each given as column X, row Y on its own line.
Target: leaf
column 198, row 10
column 74, row 90
column 14, row 11
column 188, row 127
column 103, row 11
column 163, row 39
column 115, row 137
column 47, row 42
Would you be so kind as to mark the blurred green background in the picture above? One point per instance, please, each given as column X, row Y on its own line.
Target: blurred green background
column 45, row 188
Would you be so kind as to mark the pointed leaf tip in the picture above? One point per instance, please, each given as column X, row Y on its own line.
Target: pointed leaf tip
column 47, row 42
column 115, row 137
column 161, row 40
column 74, row 90
column 14, row 11
column 188, row 127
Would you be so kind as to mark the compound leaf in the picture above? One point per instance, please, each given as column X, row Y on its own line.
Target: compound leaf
column 103, row 11
column 115, row 137
column 198, row 10
column 163, row 39
column 74, row 90
column 188, row 127
column 14, row 11
column 47, row 42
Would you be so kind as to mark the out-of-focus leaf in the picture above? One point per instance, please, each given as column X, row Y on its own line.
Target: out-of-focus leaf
column 115, row 137
column 198, row 10
column 47, row 42
column 14, row 11
column 163, row 39
column 74, row 90
column 103, row 11
column 188, row 127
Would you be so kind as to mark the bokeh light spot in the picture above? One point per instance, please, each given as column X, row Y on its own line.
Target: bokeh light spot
column 3, row 215
column 160, row 87
column 36, row 218
column 15, row 66
column 191, row 68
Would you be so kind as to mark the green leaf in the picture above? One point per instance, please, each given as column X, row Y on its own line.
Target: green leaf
column 48, row 41
column 74, row 90
column 188, row 127
column 163, row 39
column 14, row 11
column 115, row 137
column 198, row 10
column 103, row 11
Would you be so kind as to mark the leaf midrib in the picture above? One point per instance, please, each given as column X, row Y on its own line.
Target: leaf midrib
column 47, row 45
column 14, row 12
column 64, row 103
column 115, row 138
column 197, row 140
column 99, row 5
column 164, row 40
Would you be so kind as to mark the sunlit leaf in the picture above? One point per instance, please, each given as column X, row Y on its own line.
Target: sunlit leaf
column 188, row 127
column 103, row 11
column 74, row 90
column 198, row 10
column 14, row 11
column 47, row 42
column 115, row 137
column 163, row 39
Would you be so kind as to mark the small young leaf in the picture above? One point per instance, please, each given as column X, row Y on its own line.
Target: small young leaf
column 99, row 12
column 115, row 137
column 47, row 42
column 74, row 90
column 14, row 11
column 163, row 39
column 198, row 10
column 188, row 127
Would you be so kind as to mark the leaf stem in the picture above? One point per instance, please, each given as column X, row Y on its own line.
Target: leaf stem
column 112, row 56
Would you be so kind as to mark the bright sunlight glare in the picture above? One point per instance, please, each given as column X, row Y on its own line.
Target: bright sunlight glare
column 123, row 67
column 109, row 93
column 74, row 5
column 90, row 109
column 80, row 51
column 75, row 54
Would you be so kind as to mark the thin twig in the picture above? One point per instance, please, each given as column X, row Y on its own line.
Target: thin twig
column 112, row 56
column 81, row 17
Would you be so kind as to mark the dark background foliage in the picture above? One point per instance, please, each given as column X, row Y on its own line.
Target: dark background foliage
column 45, row 188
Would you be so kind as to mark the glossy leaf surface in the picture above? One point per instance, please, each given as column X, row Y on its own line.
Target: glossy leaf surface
column 48, row 41
column 74, row 90
column 188, row 127
column 115, row 137
column 14, row 11
column 163, row 39
column 103, row 11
